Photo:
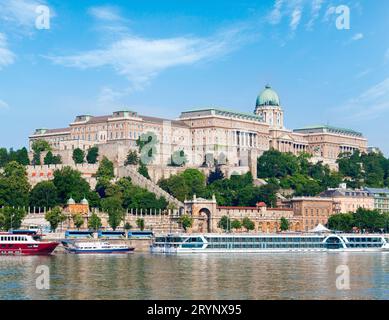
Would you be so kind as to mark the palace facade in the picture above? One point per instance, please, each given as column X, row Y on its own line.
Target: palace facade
column 232, row 138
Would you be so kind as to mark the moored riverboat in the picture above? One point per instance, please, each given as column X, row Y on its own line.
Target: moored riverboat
column 96, row 247
column 268, row 243
column 24, row 243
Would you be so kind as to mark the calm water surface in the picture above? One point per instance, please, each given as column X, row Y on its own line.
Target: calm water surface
column 201, row 276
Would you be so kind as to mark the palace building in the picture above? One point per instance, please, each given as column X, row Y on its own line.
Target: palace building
column 235, row 139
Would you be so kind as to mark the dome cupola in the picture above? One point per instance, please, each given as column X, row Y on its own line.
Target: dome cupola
column 268, row 97
column 269, row 108
column 71, row 201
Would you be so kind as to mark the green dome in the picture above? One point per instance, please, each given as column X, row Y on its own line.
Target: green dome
column 268, row 97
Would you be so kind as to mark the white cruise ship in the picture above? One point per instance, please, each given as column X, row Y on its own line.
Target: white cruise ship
column 263, row 243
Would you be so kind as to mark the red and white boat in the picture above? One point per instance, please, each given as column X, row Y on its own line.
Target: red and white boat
column 13, row 244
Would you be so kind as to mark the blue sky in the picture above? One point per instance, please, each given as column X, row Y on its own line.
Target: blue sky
column 163, row 57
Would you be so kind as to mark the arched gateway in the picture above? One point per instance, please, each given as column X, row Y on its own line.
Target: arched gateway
column 202, row 212
column 206, row 215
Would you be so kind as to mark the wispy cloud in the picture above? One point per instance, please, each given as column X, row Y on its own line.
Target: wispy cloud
column 20, row 15
column 295, row 11
column 363, row 73
column 358, row 36
column 3, row 105
column 296, row 18
column 7, row 57
column 141, row 59
column 106, row 13
column 315, row 12
column 276, row 14
column 370, row 104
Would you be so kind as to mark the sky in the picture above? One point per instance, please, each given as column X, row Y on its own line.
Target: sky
column 59, row 59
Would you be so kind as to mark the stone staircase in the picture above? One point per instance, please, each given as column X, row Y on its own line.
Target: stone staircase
column 141, row 181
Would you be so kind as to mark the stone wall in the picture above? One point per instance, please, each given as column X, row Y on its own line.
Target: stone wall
column 41, row 173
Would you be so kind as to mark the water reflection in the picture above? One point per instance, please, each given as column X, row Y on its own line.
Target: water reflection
column 204, row 276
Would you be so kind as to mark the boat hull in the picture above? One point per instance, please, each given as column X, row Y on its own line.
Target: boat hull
column 29, row 249
column 100, row 251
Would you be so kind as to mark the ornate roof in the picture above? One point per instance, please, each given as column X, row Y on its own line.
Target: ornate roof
column 268, row 97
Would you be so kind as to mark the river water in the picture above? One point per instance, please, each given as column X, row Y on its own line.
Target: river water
column 200, row 276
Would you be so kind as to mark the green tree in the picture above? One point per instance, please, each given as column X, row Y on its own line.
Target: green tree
column 38, row 146
column 105, row 169
column 215, row 175
column 224, row 223
column 55, row 217
column 236, row 224
column 4, row 159
column 113, row 207
column 69, row 183
column 277, row 164
column 248, row 224
column 284, row 226
column 93, row 199
column 14, row 186
column 195, row 181
column 11, row 218
column 176, row 186
column 132, row 158
column 44, row 194
column 369, row 220
column 143, row 171
column 341, row 222
column 140, row 223
column 94, row 222
column 186, row 221
column 78, row 156
column 51, row 159
column 92, row 155
column 22, row 157
column 78, row 220
column 127, row 226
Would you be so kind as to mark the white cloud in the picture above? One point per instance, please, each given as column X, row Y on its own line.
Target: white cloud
column 370, row 104
column 141, row 59
column 295, row 11
column 20, row 12
column 6, row 55
column 358, row 36
column 3, row 105
column 329, row 12
column 295, row 19
column 276, row 14
column 315, row 12
column 106, row 13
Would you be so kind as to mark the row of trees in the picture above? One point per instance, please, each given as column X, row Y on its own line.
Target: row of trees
column 115, row 197
column 235, row 191
column 227, row 224
column 360, row 169
column 79, row 155
column 308, row 179
column 55, row 217
column 362, row 219
column 40, row 146
column 288, row 171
